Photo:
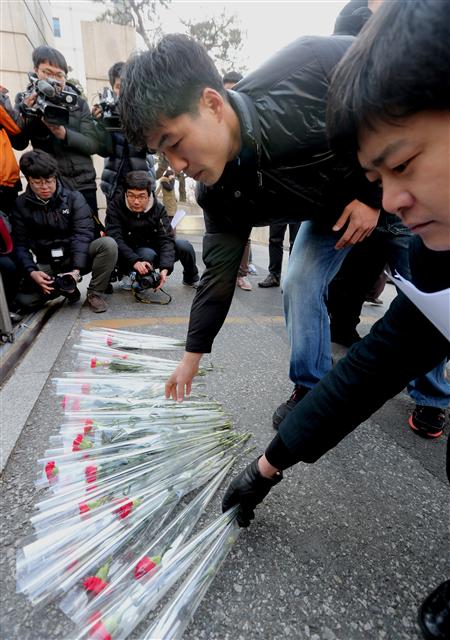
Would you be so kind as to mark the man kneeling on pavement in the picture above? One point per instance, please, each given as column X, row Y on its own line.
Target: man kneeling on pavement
column 55, row 239
column 140, row 225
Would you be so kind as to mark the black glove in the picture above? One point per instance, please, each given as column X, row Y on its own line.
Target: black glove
column 248, row 489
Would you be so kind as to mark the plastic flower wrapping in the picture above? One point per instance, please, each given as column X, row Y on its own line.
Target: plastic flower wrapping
column 126, row 481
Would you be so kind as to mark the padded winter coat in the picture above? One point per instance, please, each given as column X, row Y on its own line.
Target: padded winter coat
column 65, row 222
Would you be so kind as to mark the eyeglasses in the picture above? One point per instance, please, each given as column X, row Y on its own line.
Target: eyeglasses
column 59, row 75
column 42, row 182
column 142, row 197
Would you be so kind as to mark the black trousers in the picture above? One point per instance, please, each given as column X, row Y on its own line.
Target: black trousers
column 276, row 240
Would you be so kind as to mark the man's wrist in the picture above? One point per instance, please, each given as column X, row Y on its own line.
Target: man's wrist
column 267, row 470
column 192, row 358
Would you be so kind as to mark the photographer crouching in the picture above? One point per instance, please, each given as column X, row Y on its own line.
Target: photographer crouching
column 141, row 228
column 57, row 120
column 54, row 239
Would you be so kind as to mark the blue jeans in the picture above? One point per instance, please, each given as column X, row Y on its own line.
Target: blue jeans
column 312, row 265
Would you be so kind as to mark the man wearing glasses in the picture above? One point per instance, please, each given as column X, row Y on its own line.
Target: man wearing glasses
column 71, row 145
column 54, row 239
column 141, row 228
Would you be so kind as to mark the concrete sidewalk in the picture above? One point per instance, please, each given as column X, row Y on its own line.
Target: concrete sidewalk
column 344, row 549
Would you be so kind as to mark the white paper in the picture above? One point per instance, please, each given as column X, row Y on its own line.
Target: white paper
column 435, row 306
column 177, row 217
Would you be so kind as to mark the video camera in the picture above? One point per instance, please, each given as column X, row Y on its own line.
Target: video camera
column 52, row 102
column 151, row 280
column 108, row 103
column 64, row 283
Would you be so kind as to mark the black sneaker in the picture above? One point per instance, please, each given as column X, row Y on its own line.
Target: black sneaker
column 194, row 284
column 271, row 281
column 345, row 338
column 281, row 412
column 427, row 422
column 434, row 613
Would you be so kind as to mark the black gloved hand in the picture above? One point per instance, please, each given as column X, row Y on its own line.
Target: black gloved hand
column 248, row 489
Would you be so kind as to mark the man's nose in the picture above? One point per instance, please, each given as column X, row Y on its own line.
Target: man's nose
column 396, row 199
column 176, row 162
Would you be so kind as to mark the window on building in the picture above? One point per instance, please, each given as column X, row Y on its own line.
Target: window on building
column 56, row 28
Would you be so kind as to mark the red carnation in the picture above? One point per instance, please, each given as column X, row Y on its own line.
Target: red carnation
column 93, row 363
column 125, row 509
column 109, row 341
column 145, row 565
column 94, row 584
column 51, row 470
column 80, row 443
column 102, row 629
column 99, row 631
column 88, row 424
column 85, row 388
column 84, row 507
column 91, row 473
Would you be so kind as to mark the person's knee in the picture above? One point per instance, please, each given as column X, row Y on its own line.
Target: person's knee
column 184, row 246
column 106, row 245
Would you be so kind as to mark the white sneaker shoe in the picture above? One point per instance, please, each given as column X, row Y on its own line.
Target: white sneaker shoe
column 125, row 283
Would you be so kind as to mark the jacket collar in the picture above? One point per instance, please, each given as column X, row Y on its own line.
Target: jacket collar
column 250, row 132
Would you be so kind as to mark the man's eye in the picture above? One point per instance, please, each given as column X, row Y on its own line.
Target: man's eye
column 175, row 145
column 400, row 168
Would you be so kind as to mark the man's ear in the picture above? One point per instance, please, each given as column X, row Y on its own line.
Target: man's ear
column 213, row 101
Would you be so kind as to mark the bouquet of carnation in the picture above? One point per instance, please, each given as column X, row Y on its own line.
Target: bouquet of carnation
column 126, row 480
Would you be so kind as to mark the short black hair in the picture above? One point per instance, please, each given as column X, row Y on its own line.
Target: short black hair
column 115, row 72
column 399, row 66
column 232, row 76
column 52, row 56
column 164, row 82
column 38, row 164
column 139, row 180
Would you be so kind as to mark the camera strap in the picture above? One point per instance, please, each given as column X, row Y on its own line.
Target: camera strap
column 149, row 300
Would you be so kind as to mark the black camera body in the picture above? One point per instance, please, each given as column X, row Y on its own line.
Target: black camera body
column 108, row 103
column 52, row 102
column 151, row 280
column 64, row 283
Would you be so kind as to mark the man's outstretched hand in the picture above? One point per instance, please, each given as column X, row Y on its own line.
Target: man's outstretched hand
column 180, row 382
column 247, row 490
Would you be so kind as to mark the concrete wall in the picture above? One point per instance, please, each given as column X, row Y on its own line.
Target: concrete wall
column 103, row 45
column 24, row 25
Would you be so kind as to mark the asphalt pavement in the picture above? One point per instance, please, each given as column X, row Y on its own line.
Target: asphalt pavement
column 344, row 549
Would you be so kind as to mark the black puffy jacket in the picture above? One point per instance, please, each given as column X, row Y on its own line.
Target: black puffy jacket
column 134, row 230
column 122, row 158
column 285, row 171
column 65, row 222
column 73, row 154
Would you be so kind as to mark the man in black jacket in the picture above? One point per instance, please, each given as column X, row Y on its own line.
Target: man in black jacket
column 54, row 235
column 122, row 157
column 140, row 225
column 395, row 110
column 71, row 145
column 260, row 154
